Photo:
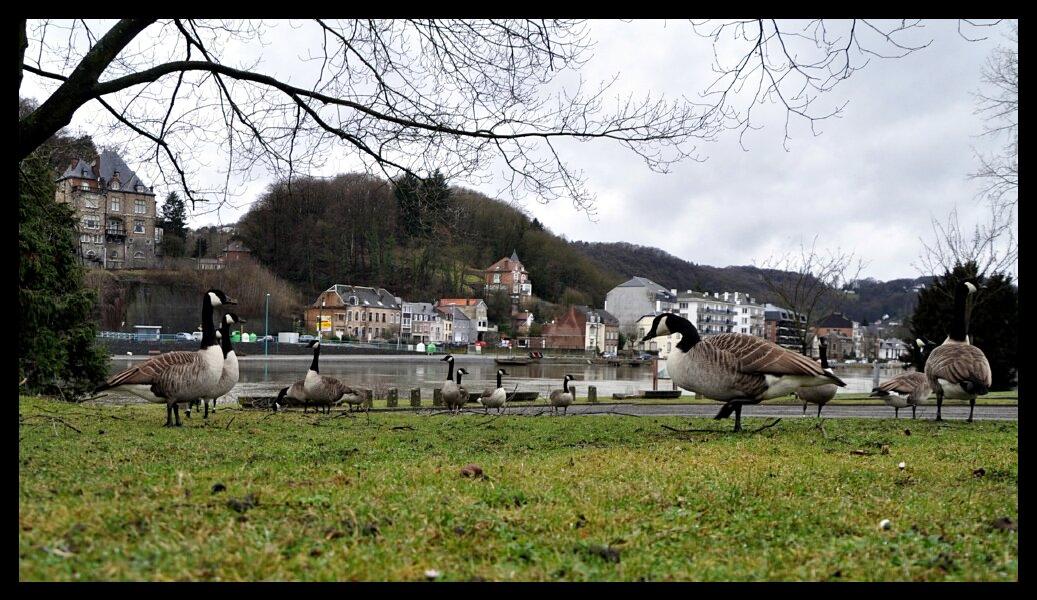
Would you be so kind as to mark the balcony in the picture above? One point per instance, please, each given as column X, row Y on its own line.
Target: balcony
column 115, row 234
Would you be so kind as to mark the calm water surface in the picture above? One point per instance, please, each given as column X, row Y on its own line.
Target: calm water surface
column 264, row 377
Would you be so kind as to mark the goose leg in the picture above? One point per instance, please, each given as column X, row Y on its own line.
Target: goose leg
column 206, row 415
column 169, row 415
column 913, row 411
column 738, row 416
column 176, row 414
column 939, row 403
column 896, row 411
column 972, row 407
column 804, row 408
column 819, row 407
column 187, row 408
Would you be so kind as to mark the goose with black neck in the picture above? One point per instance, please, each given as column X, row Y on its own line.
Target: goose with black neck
column 735, row 368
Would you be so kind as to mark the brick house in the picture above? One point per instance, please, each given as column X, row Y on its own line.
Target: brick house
column 116, row 213
column 838, row 323
column 364, row 313
column 508, row 275
column 235, row 251
column 568, row 331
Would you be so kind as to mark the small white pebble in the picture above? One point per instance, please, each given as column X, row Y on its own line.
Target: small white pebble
column 884, row 524
column 432, row 574
column 902, row 465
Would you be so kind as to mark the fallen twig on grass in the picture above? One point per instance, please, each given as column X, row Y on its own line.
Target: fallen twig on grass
column 725, row 431
column 397, row 427
column 22, row 382
column 229, row 422
column 92, row 398
column 22, row 419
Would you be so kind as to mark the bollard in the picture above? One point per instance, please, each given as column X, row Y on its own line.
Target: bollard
column 368, row 399
column 393, row 396
column 415, row 397
column 437, row 397
column 592, row 394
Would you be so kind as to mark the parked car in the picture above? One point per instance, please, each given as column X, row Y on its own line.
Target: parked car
column 306, row 339
column 266, row 338
column 185, row 336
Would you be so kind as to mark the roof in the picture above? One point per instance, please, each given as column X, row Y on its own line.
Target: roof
column 505, row 264
column 418, row 307
column 236, row 246
column 460, row 301
column 107, row 164
column 836, row 320
column 366, row 296
column 642, row 282
column 459, row 314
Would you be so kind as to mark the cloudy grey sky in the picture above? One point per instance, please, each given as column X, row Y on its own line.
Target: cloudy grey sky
column 870, row 183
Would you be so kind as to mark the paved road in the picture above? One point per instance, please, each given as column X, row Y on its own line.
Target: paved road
column 951, row 413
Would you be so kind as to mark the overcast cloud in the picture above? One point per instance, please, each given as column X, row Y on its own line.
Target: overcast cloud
column 870, row 183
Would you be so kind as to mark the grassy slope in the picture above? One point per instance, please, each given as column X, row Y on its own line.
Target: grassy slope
column 357, row 499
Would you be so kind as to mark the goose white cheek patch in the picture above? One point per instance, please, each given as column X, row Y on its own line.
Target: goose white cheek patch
column 214, row 299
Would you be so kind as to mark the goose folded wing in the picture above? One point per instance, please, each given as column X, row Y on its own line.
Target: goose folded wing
column 903, row 384
column 150, row 371
column 960, row 362
column 756, row 355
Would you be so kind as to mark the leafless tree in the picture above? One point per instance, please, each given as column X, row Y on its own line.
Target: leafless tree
column 999, row 172
column 810, row 283
column 403, row 96
column 993, row 246
column 794, row 64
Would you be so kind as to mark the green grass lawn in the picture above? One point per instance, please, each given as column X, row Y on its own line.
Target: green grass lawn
column 381, row 497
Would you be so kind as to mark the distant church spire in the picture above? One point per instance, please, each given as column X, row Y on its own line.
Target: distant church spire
column 514, row 255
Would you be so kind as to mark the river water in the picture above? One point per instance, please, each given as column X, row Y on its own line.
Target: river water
column 265, row 376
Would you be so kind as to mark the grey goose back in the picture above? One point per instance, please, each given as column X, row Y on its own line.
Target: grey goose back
column 496, row 397
column 229, row 378
column 906, row 389
column 818, row 394
column 735, row 368
column 178, row 377
column 562, row 397
column 321, row 390
column 957, row 369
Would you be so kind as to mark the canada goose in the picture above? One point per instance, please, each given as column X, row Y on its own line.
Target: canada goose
column 450, row 388
column 495, row 398
column 322, row 390
column 456, row 396
column 178, row 377
column 818, row 394
column 562, row 397
column 906, row 389
column 229, row 378
column 735, row 368
column 294, row 393
column 956, row 368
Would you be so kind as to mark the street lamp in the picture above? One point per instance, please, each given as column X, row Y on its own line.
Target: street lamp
column 266, row 328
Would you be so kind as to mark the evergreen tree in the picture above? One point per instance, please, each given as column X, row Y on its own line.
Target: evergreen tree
column 201, row 247
column 61, row 354
column 174, row 216
column 992, row 322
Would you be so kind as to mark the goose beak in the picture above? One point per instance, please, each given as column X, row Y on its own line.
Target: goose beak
column 230, row 300
column 242, row 321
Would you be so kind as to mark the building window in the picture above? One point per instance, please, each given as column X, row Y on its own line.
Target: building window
column 138, row 255
column 90, row 202
column 116, row 205
column 353, row 301
column 114, row 254
column 138, row 226
column 115, row 185
column 496, row 278
column 90, row 254
column 158, row 235
column 140, row 207
column 91, row 223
